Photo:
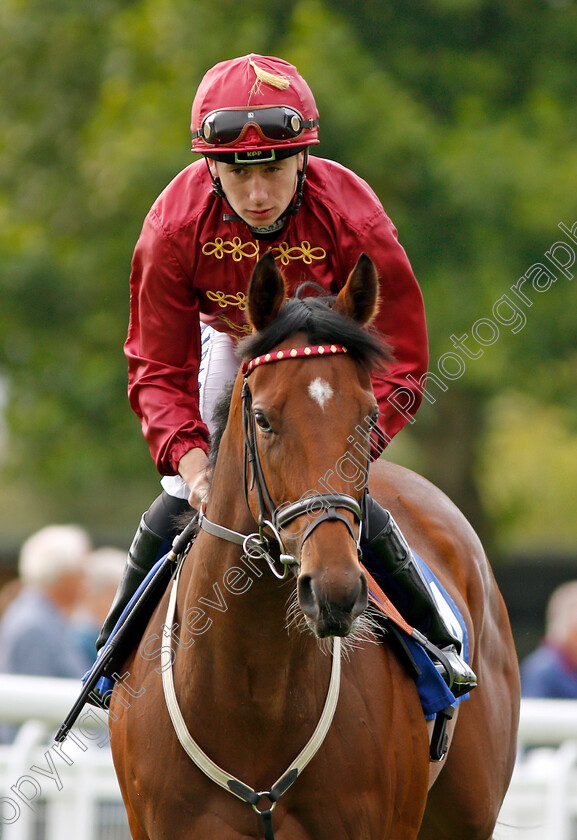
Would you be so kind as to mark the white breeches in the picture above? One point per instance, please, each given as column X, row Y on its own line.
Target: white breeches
column 218, row 366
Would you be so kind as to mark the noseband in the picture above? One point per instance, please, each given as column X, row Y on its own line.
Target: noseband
column 270, row 516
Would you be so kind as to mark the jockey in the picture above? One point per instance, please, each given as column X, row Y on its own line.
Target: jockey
column 254, row 120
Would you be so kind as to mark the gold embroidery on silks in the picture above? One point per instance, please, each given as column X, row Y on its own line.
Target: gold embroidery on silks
column 304, row 252
column 224, row 300
column 237, row 249
column 244, row 329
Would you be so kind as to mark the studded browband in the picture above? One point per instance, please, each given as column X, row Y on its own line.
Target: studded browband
column 293, row 353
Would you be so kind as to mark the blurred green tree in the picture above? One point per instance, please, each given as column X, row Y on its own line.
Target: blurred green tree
column 460, row 115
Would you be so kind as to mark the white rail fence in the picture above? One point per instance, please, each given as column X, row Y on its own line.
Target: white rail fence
column 50, row 791
column 542, row 800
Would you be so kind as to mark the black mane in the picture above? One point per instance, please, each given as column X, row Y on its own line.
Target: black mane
column 321, row 325
column 219, row 419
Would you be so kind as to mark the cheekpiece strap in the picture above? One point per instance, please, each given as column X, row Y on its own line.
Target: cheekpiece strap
column 293, row 353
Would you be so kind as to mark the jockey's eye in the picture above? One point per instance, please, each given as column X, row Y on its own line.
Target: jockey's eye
column 262, row 420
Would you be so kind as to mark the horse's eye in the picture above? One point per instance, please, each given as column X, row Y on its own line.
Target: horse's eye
column 374, row 417
column 262, row 421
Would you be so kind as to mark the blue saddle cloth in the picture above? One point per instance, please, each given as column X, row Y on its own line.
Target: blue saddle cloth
column 432, row 689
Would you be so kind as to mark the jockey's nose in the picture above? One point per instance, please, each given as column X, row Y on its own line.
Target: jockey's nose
column 257, row 188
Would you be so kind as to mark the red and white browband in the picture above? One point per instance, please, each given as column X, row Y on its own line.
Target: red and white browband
column 293, row 353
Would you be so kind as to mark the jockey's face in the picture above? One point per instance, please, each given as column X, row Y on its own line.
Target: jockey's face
column 259, row 193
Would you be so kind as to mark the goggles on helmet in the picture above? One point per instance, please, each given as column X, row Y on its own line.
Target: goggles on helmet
column 228, row 126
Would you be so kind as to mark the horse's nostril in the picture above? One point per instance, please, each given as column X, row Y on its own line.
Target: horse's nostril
column 353, row 601
column 362, row 598
column 307, row 598
column 331, row 613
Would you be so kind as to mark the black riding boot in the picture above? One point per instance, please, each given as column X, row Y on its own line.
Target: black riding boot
column 158, row 526
column 405, row 585
column 141, row 558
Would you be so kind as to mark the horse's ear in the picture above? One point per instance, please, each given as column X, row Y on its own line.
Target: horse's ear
column 359, row 298
column 266, row 292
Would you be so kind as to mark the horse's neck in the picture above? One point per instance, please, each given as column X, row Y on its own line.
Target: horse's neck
column 241, row 607
column 238, row 592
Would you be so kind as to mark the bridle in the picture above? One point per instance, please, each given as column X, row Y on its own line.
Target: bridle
column 274, row 518
column 320, row 507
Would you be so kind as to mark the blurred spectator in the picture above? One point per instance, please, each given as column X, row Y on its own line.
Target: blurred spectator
column 551, row 670
column 102, row 576
column 36, row 635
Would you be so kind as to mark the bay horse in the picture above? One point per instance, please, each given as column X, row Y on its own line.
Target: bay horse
column 228, row 694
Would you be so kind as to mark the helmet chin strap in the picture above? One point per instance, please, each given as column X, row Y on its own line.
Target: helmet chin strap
column 291, row 210
column 294, row 206
column 217, row 189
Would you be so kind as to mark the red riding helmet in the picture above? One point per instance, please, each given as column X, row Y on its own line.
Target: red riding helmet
column 248, row 106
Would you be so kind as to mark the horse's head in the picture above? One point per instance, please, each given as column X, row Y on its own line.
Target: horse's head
column 308, row 412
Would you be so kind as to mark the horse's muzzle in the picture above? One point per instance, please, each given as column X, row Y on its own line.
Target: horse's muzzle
column 331, row 610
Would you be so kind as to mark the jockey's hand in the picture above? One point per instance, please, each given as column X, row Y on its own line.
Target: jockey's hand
column 193, row 468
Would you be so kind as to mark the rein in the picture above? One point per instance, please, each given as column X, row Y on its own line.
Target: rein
column 322, row 508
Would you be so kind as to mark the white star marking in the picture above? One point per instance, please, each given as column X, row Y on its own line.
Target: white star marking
column 320, row 391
